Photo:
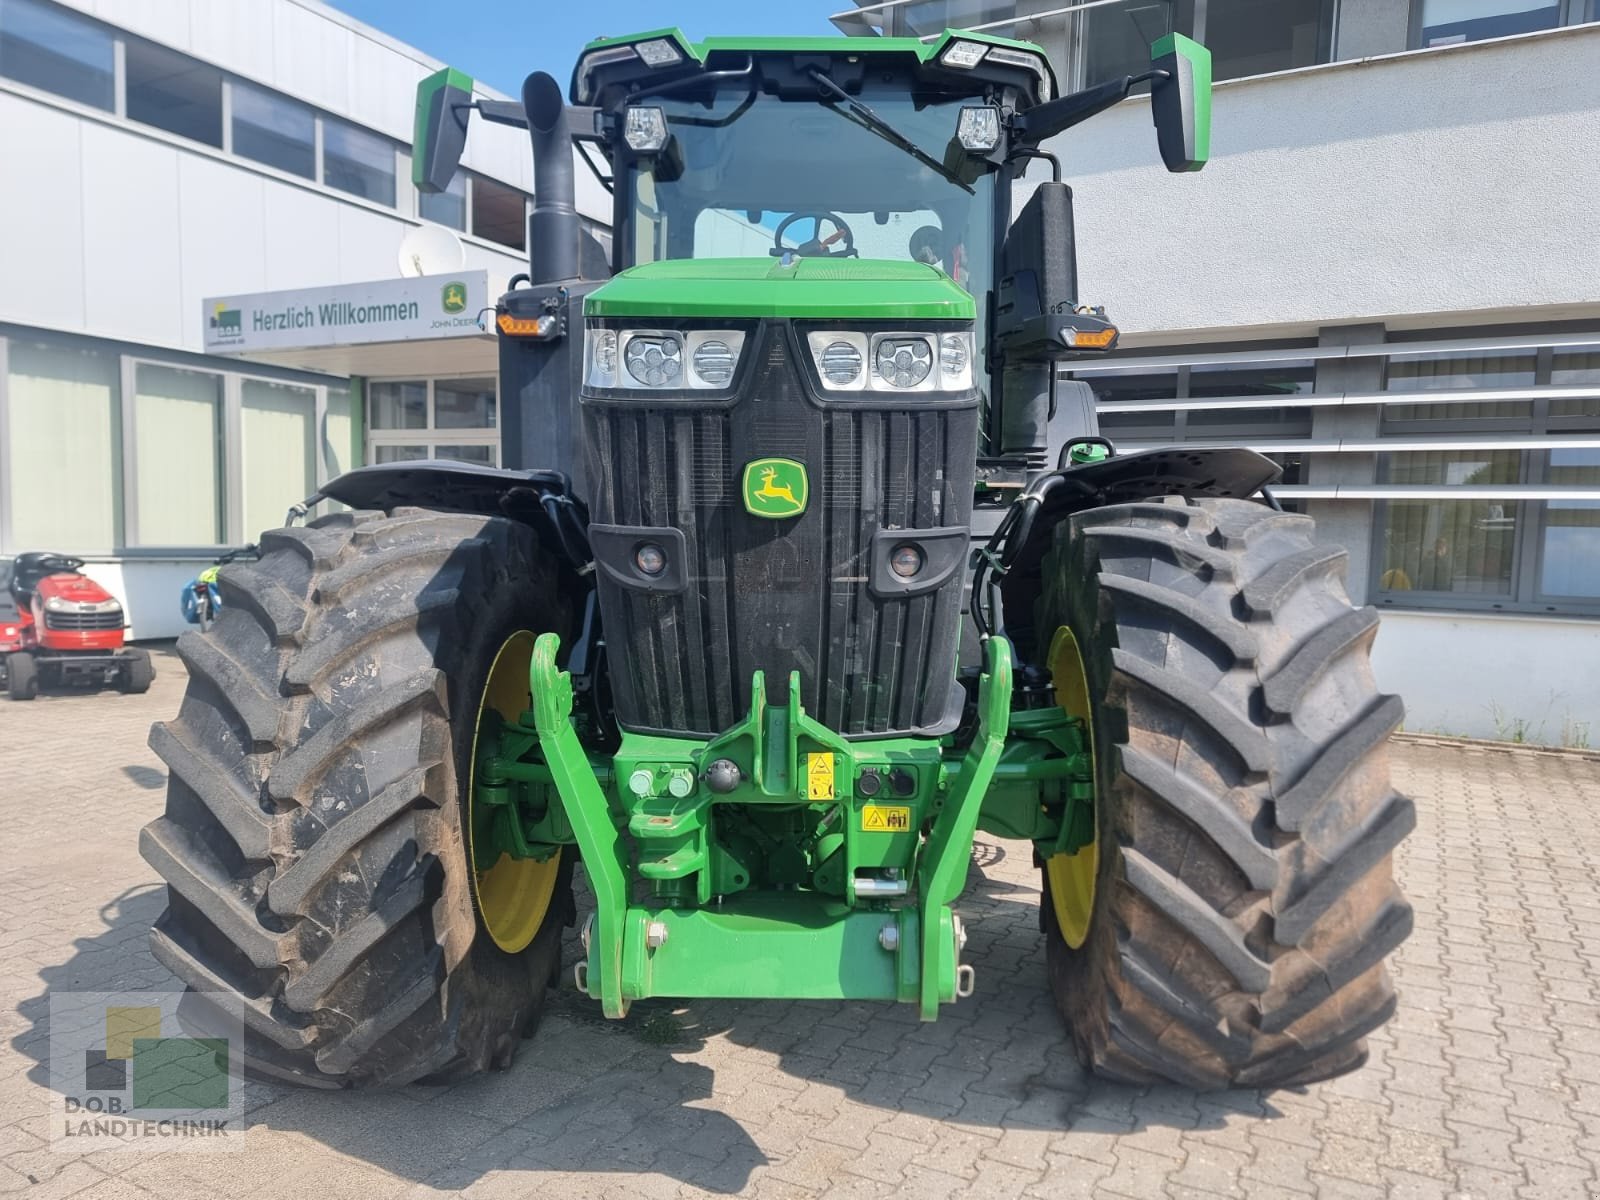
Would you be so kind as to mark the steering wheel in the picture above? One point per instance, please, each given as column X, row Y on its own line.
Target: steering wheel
column 817, row 246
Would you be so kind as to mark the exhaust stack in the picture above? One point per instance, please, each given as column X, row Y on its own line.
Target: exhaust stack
column 553, row 229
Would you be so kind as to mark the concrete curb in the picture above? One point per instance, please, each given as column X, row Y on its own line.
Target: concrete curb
column 1440, row 739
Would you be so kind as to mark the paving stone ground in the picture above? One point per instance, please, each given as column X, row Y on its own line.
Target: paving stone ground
column 1486, row 1085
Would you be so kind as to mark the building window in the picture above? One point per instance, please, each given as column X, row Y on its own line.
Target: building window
column 1446, row 22
column 1488, row 369
column 499, row 213
column 56, row 51
column 447, row 208
column 1258, row 383
column 1115, row 40
column 1254, row 37
column 177, row 436
column 273, row 129
column 1491, row 550
column 63, row 448
column 174, row 92
column 278, row 451
column 1569, row 549
column 464, row 404
column 398, row 405
column 1576, row 371
column 436, row 418
column 357, row 162
column 338, row 433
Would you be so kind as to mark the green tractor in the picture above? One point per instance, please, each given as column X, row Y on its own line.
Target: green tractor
column 804, row 568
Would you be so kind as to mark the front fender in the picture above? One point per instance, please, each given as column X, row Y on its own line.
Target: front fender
column 542, row 499
column 1191, row 471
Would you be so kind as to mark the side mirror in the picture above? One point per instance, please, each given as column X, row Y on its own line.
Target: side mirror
column 444, row 104
column 1180, row 102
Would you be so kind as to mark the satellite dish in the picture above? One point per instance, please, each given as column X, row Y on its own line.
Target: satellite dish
column 430, row 250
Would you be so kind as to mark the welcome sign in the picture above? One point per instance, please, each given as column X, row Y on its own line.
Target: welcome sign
column 389, row 310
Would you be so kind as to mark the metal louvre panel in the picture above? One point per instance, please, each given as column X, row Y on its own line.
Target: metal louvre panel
column 785, row 595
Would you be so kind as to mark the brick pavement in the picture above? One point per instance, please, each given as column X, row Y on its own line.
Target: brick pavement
column 1486, row 1085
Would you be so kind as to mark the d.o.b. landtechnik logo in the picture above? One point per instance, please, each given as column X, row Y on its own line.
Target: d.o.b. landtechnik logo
column 126, row 1075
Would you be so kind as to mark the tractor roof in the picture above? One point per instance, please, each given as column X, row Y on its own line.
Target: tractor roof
column 675, row 48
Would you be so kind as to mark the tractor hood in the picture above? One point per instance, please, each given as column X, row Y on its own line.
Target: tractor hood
column 844, row 289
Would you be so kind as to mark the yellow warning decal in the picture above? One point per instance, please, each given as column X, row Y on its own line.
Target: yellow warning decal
column 819, row 775
column 885, row 818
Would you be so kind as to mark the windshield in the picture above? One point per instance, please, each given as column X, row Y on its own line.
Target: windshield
column 746, row 166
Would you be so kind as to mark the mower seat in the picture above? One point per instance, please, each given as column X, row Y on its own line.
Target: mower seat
column 28, row 569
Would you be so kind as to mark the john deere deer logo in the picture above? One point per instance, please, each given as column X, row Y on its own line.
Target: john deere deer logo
column 775, row 488
column 453, row 297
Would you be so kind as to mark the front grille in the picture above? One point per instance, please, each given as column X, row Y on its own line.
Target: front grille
column 780, row 596
column 81, row 622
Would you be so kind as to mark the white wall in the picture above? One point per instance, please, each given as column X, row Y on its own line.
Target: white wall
column 1451, row 181
column 1493, row 675
column 149, row 590
column 122, row 233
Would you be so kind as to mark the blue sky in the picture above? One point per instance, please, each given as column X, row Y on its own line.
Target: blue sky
column 501, row 41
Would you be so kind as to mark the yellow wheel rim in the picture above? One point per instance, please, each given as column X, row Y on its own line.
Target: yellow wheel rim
column 514, row 894
column 1072, row 876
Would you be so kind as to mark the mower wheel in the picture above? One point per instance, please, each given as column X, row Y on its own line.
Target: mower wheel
column 314, row 843
column 1241, row 902
column 22, row 676
column 138, row 673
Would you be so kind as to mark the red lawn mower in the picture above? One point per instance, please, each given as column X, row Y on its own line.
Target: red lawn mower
column 57, row 626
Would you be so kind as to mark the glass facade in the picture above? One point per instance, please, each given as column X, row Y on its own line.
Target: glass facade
column 164, row 456
column 47, row 46
column 177, row 455
column 1092, row 41
column 1446, row 22
column 1476, row 463
column 277, row 423
column 447, row 208
column 358, row 162
column 174, row 92
column 455, row 418
column 57, row 51
column 64, row 422
column 273, row 130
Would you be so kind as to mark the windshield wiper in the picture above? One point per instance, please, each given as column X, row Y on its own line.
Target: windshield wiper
column 885, row 130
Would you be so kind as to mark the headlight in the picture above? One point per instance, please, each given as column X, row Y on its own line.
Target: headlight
column 841, row 364
column 978, row 128
column 965, row 55
column 645, row 129
column 904, row 362
column 57, row 604
column 714, row 361
column 654, row 361
column 661, row 359
column 849, row 361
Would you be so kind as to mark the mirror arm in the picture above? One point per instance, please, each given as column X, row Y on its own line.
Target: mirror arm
column 500, row 112
column 1054, row 116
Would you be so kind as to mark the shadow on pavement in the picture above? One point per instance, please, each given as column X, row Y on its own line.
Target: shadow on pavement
column 591, row 1095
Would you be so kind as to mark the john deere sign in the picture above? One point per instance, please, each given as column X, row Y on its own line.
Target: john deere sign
column 392, row 310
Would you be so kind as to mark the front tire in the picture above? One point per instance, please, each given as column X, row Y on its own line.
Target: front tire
column 22, row 676
column 138, row 673
column 314, row 843
column 1243, row 900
